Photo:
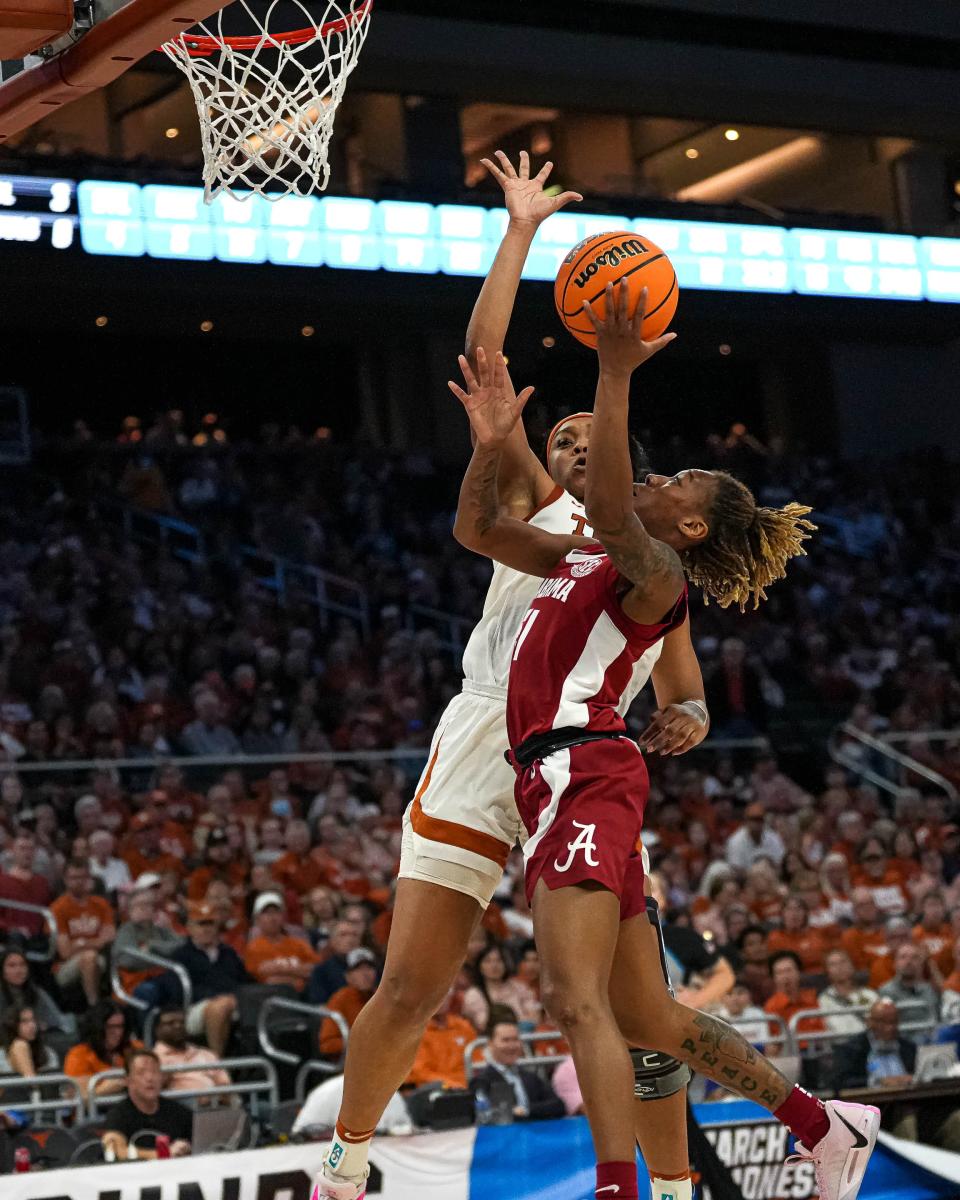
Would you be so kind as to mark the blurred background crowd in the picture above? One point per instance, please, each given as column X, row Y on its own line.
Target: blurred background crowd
column 138, row 659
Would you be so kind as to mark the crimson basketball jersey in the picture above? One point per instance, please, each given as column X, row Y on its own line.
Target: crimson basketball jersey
column 573, row 658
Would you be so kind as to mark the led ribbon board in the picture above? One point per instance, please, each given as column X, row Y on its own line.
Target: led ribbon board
column 160, row 221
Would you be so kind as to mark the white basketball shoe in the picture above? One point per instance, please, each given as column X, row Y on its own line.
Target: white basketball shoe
column 339, row 1187
column 840, row 1157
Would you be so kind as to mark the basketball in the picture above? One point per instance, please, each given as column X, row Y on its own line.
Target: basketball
column 606, row 258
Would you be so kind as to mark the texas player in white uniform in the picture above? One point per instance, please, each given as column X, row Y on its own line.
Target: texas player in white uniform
column 463, row 821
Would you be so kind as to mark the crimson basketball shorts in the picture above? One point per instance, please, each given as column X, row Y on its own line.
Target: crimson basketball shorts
column 583, row 811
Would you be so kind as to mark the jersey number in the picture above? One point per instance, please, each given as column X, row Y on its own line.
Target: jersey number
column 525, row 626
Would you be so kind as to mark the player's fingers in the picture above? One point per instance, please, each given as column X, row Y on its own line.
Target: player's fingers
column 564, row 199
column 641, row 309
column 494, row 170
column 468, row 376
column 524, row 397
column 524, row 165
column 623, row 304
column 483, row 367
column 507, row 165
column 458, row 391
column 498, row 371
column 659, row 343
column 592, row 316
column 543, row 174
column 656, row 724
column 692, row 740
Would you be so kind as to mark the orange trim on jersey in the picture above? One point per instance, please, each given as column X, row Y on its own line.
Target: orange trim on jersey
column 555, row 494
column 450, row 833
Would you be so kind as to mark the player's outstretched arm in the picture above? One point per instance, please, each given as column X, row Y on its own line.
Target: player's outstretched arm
column 681, row 720
column 494, row 409
column 524, row 484
column 652, row 567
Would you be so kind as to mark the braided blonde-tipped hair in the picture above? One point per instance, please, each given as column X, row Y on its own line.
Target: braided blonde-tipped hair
column 747, row 548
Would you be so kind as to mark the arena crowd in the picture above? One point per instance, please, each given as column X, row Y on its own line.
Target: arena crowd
column 815, row 889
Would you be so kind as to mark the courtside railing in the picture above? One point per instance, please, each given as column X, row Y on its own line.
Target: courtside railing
column 875, row 758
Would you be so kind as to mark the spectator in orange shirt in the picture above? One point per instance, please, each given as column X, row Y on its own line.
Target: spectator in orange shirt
column 440, row 1055
column 865, row 938
column 852, row 830
column 820, row 915
column 105, row 1030
column 898, row 933
column 764, row 893
column 276, row 957
column 145, row 929
column 883, row 880
column 85, row 926
column 933, row 931
column 789, row 997
column 808, row 944
column 144, row 855
column 220, row 863
column 297, row 869
column 349, row 1000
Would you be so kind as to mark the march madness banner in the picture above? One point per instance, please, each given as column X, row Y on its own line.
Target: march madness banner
column 547, row 1160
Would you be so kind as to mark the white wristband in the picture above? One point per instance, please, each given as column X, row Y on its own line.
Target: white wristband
column 696, row 709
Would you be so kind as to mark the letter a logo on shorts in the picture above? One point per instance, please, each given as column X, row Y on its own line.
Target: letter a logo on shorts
column 583, row 841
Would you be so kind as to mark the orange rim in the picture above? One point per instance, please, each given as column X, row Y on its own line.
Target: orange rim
column 202, row 46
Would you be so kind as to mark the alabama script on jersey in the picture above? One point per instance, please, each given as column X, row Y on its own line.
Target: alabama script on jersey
column 486, row 660
column 574, row 656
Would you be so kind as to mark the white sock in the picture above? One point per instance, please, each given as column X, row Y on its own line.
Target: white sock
column 347, row 1157
column 671, row 1189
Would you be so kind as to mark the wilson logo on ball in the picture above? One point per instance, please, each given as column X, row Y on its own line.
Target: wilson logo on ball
column 609, row 258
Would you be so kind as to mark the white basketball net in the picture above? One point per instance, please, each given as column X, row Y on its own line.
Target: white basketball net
column 267, row 101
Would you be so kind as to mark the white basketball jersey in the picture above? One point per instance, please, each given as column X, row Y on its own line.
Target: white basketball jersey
column 486, row 660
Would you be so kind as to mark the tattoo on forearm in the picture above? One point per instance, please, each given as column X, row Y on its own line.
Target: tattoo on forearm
column 640, row 558
column 482, row 492
column 723, row 1055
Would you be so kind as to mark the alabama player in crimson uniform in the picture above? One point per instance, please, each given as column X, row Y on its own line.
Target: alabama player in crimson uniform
column 581, row 783
column 463, row 821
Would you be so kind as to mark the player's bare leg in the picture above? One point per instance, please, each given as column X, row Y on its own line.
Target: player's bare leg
column 838, row 1137
column 576, row 931
column 661, row 1131
column 428, row 944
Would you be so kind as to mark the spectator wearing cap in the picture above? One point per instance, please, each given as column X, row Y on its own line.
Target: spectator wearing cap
column 897, row 933
column 216, row 971
column 21, row 883
column 145, row 854
column 220, row 863
column 754, row 840
column 361, row 974
column 865, row 940
column 843, row 992
column 142, row 931
column 207, row 735
column 331, row 973
column 789, row 998
column 909, row 987
column 808, row 944
column 85, row 928
column 274, row 956
column 174, row 1050
column 297, row 869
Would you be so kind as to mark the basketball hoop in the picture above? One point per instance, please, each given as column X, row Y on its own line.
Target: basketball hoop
column 267, row 100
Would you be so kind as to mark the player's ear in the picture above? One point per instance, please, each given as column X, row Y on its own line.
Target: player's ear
column 693, row 528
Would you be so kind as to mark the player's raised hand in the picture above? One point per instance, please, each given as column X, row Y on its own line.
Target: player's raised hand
column 526, row 201
column 620, row 341
column 491, row 403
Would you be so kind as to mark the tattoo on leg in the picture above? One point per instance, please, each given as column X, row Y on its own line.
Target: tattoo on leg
column 718, row 1051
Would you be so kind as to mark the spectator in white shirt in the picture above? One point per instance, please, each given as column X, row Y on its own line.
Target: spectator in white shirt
column 753, row 840
column 843, row 992
column 738, row 1006
column 112, row 872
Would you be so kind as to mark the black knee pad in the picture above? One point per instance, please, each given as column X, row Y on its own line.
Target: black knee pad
column 657, row 1075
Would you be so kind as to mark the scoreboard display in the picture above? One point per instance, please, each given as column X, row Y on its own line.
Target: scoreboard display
column 170, row 222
